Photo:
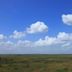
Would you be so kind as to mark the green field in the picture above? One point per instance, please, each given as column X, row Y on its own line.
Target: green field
column 36, row 63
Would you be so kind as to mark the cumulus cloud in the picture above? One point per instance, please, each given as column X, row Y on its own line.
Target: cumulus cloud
column 68, row 44
column 34, row 28
column 24, row 43
column 45, row 42
column 2, row 36
column 17, row 35
column 62, row 38
column 67, row 19
column 6, row 45
column 37, row 27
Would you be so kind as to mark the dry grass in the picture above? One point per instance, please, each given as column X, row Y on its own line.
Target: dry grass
column 36, row 63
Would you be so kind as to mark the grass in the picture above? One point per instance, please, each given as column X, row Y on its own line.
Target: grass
column 35, row 63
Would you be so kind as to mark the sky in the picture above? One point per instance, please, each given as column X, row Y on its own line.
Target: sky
column 35, row 27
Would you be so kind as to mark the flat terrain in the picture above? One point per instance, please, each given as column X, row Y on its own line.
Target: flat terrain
column 36, row 63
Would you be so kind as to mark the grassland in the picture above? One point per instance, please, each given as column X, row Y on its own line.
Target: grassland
column 35, row 63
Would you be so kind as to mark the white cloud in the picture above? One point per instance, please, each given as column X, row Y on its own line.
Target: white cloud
column 66, row 44
column 34, row 28
column 6, row 45
column 64, row 36
column 61, row 38
column 67, row 19
column 17, row 35
column 24, row 43
column 37, row 27
column 45, row 42
column 2, row 37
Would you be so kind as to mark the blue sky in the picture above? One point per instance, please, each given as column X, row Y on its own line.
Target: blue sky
column 35, row 26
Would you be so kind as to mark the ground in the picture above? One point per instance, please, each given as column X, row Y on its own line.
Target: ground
column 36, row 63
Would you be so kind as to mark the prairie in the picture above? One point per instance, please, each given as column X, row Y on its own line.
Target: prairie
column 36, row 63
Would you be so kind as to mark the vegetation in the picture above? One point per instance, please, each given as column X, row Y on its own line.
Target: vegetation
column 35, row 63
